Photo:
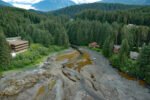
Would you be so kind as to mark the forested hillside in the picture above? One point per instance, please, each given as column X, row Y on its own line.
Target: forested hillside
column 72, row 10
column 139, row 16
column 35, row 27
column 135, row 2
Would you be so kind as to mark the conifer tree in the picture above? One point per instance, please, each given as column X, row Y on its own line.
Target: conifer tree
column 144, row 62
column 5, row 57
column 108, row 46
column 124, row 52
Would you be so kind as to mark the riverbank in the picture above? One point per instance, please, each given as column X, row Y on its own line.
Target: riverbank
column 31, row 58
column 130, row 71
column 52, row 80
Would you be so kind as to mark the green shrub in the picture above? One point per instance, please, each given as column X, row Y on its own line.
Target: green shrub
column 130, row 66
column 1, row 73
column 32, row 56
column 115, row 61
column 96, row 49
column 144, row 62
column 53, row 48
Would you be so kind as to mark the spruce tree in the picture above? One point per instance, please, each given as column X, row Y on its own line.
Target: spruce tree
column 144, row 62
column 5, row 57
column 108, row 46
column 124, row 52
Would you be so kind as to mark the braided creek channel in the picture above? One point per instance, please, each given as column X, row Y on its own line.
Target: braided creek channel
column 72, row 75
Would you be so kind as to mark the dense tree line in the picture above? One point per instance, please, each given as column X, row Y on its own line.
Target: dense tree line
column 139, row 16
column 73, row 10
column 144, row 62
column 5, row 56
column 35, row 27
column 83, row 32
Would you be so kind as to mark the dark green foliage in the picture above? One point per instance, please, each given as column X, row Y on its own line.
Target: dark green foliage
column 139, row 16
column 136, row 35
column 144, row 62
column 57, row 31
column 130, row 66
column 115, row 61
column 124, row 47
column 5, row 57
column 35, row 27
column 72, row 10
column 83, row 32
column 124, row 52
column 108, row 46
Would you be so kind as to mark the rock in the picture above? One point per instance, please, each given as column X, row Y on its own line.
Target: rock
column 46, row 74
column 11, row 90
column 20, row 82
column 51, row 84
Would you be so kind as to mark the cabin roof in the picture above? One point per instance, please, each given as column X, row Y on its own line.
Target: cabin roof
column 117, row 46
column 17, row 42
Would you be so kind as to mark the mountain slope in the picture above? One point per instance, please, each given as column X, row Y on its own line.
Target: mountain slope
column 133, row 2
column 48, row 5
column 2, row 3
column 72, row 10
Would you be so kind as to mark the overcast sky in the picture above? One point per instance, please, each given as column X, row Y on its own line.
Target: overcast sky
column 27, row 4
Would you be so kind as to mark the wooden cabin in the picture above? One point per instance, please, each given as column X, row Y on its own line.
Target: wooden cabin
column 18, row 45
column 116, row 48
column 94, row 45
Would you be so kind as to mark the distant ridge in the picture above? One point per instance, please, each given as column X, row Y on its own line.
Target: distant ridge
column 72, row 10
column 131, row 2
column 2, row 3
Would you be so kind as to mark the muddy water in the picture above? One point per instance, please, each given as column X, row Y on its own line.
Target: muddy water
column 127, row 76
column 73, row 66
column 75, row 60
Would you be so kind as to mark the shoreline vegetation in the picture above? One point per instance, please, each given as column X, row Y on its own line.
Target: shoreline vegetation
column 130, row 71
column 32, row 57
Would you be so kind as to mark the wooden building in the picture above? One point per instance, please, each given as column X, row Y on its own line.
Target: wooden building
column 94, row 45
column 18, row 45
column 116, row 48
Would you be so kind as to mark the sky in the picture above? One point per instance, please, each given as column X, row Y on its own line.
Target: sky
column 85, row 1
column 27, row 4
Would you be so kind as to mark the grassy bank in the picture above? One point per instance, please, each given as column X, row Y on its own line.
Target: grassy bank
column 33, row 56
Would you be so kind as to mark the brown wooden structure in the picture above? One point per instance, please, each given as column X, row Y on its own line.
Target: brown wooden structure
column 116, row 48
column 18, row 45
column 94, row 45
